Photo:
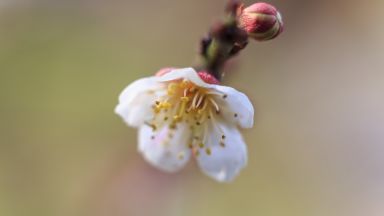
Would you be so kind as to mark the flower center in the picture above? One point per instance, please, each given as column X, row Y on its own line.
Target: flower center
column 186, row 103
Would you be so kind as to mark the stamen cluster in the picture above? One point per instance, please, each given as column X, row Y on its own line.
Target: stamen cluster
column 189, row 104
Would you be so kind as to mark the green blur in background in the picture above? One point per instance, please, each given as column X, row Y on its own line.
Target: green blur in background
column 316, row 149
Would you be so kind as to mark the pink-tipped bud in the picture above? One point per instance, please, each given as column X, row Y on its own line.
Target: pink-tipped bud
column 207, row 77
column 261, row 21
column 163, row 71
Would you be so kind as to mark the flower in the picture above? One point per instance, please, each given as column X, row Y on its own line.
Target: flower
column 261, row 21
column 182, row 114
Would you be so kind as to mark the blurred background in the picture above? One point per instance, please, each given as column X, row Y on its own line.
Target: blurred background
column 316, row 149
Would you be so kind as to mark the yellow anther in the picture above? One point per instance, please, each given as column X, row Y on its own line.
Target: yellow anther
column 183, row 84
column 172, row 89
column 208, row 151
column 184, row 99
column 170, row 92
column 176, row 118
column 156, row 109
column 166, row 105
column 201, row 145
column 153, row 127
column 172, row 86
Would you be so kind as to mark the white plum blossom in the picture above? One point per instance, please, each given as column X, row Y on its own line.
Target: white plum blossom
column 182, row 114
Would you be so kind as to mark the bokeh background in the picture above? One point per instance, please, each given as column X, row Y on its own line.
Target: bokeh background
column 317, row 147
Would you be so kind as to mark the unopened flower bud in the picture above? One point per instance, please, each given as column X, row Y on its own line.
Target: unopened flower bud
column 163, row 71
column 203, row 74
column 207, row 77
column 261, row 21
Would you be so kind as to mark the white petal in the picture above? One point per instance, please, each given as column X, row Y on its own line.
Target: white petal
column 168, row 153
column 135, row 88
column 185, row 74
column 224, row 163
column 138, row 112
column 136, row 100
column 235, row 106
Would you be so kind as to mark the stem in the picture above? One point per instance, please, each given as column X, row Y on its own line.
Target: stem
column 218, row 54
column 224, row 41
